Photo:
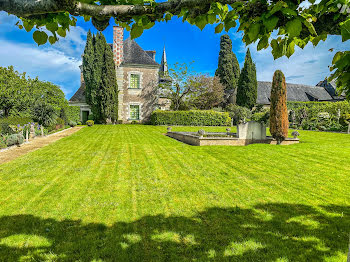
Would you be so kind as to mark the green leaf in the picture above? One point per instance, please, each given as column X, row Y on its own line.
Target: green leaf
column 263, row 43
column 219, row 28
column 201, row 21
column 211, row 18
column 336, row 57
column 290, row 49
column 271, row 22
column 53, row 27
column 229, row 24
column 61, row 32
column 28, row 25
column 293, row 28
column 317, row 39
column 277, row 7
column 301, row 43
column 345, row 30
column 167, row 17
column 277, row 49
column 40, row 37
column 52, row 40
column 136, row 31
column 254, row 32
column 289, row 12
column 310, row 27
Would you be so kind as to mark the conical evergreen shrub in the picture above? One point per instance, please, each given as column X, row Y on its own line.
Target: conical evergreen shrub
column 278, row 109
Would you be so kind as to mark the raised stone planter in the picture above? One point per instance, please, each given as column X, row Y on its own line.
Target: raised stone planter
column 247, row 133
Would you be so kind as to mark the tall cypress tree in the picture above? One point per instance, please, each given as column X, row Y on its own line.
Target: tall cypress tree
column 88, row 61
column 228, row 67
column 278, row 109
column 109, row 88
column 95, row 92
column 247, row 91
column 101, row 83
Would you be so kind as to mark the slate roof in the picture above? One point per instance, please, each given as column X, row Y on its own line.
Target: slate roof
column 134, row 54
column 79, row 96
column 295, row 92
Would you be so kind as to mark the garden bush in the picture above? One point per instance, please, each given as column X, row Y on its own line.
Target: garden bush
column 261, row 117
column 325, row 116
column 238, row 113
column 15, row 139
column 90, row 122
column 190, row 118
column 73, row 114
column 91, row 117
column 6, row 122
column 72, row 123
column 3, row 142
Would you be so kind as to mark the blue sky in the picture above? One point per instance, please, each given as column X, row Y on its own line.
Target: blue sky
column 59, row 63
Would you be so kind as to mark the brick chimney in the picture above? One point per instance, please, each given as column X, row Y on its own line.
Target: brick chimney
column 118, row 40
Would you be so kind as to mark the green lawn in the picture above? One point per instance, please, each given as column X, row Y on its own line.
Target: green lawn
column 129, row 193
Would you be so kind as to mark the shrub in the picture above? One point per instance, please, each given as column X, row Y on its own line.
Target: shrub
column 79, row 123
column 90, row 122
column 91, row 117
column 3, row 142
column 190, row 118
column 261, row 117
column 238, row 113
column 72, row 123
column 45, row 114
column 135, row 122
column 278, row 110
column 344, row 119
column 73, row 114
column 15, row 139
column 6, row 122
column 318, row 115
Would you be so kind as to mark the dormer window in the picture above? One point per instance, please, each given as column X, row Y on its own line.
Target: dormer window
column 135, row 81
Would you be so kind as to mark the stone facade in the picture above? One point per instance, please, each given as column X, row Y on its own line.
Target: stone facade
column 145, row 97
column 137, row 101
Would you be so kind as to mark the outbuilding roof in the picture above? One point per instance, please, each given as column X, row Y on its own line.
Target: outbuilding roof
column 295, row 92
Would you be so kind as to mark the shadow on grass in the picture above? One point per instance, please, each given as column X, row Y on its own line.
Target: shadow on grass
column 267, row 232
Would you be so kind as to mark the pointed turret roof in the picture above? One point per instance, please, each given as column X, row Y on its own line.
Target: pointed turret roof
column 163, row 70
column 164, row 64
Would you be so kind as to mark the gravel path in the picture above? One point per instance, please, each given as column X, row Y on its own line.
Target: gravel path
column 13, row 152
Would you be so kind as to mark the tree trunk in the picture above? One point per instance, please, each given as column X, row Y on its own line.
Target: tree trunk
column 349, row 133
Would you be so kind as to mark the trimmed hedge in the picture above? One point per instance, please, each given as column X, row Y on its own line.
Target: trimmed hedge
column 6, row 122
column 73, row 114
column 326, row 116
column 190, row 118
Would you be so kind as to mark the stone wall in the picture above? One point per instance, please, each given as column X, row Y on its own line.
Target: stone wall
column 251, row 130
column 145, row 97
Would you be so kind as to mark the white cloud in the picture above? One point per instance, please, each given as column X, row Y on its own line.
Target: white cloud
column 58, row 63
column 47, row 63
column 73, row 44
column 305, row 66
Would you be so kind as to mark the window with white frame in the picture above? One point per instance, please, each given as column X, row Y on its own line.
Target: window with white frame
column 134, row 81
column 134, row 112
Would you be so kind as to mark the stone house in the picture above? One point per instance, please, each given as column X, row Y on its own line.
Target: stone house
column 138, row 78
